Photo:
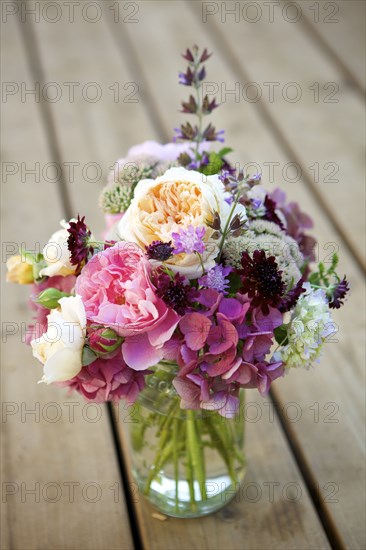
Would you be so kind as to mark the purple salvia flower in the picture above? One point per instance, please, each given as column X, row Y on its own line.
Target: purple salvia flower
column 186, row 78
column 256, row 177
column 194, row 165
column 219, row 136
column 256, row 203
column 229, row 200
column 189, row 240
column 216, row 278
column 205, row 55
column 224, row 176
column 202, row 74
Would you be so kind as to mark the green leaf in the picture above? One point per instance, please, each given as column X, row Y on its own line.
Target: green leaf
column 88, row 356
column 334, row 263
column 214, row 165
column 37, row 267
column 314, row 278
column 281, row 335
column 225, row 151
column 37, row 262
column 50, row 297
column 235, row 283
column 30, row 257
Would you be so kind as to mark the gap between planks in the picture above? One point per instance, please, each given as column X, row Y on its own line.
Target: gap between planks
column 316, row 36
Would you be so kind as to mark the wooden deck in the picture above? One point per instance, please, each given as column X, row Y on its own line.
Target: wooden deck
column 65, row 484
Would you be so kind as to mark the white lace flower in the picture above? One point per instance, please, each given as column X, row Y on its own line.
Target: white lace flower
column 310, row 325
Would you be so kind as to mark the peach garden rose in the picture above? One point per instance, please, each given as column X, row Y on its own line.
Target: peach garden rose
column 171, row 203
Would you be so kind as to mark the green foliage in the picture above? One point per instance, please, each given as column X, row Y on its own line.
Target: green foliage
column 50, row 297
column 235, row 283
column 37, row 262
column 88, row 356
column 325, row 277
column 214, row 165
column 281, row 335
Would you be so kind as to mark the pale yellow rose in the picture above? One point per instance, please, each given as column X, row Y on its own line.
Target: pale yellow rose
column 19, row 271
column 171, row 203
column 60, row 348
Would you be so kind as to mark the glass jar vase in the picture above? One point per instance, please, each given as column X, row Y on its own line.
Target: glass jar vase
column 187, row 463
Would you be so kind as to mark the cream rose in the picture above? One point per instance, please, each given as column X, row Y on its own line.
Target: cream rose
column 60, row 348
column 57, row 255
column 171, row 203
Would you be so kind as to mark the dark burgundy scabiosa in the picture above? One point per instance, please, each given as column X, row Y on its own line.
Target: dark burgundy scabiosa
column 339, row 294
column 78, row 243
column 176, row 292
column 289, row 301
column 270, row 214
column 261, row 280
column 160, row 251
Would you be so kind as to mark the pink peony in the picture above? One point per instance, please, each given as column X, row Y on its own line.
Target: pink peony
column 117, row 292
column 108, row 380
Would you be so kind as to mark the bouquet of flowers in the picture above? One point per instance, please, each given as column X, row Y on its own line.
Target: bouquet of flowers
column 204, row 281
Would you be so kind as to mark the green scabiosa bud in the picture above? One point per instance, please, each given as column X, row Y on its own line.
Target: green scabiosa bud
column 115, row 198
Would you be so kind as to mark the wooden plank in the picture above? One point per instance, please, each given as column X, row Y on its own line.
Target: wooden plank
column 287, row 83
column 339, row 28
column 92, row 134
column 253, row 142
column 63, row 451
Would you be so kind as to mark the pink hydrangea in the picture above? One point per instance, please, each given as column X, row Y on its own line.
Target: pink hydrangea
column 108, row 380
column 117, row 292
column 259, row 375
column 197, row 392
column 212, row 365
